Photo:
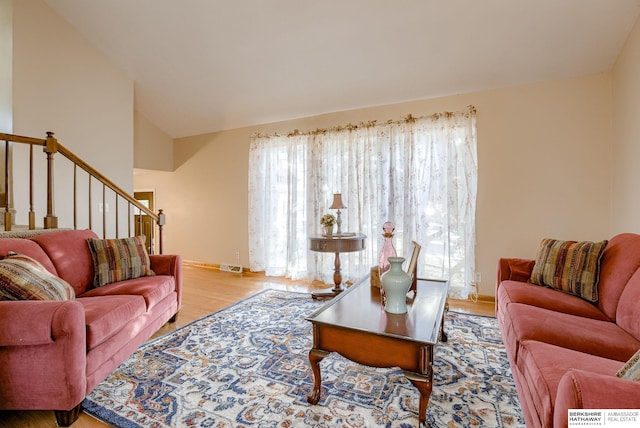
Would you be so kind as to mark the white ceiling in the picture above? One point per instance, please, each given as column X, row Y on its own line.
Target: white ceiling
column 206, row 65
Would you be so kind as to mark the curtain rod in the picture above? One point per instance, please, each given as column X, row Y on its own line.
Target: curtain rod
column 351, row 127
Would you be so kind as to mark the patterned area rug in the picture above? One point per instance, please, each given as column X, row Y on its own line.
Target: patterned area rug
column 247, row 366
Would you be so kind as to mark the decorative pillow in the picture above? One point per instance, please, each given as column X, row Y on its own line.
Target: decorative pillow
column 24, row 278
column 631, row 369
column 569, row 266
column 119, row 259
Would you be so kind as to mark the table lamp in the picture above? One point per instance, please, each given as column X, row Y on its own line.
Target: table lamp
column 337, row 205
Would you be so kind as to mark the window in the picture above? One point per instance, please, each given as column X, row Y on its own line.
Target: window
column 420, row 173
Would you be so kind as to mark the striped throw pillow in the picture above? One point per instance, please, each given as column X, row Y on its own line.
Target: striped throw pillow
column 24, row 278
column 631, row 369
column 569, row 266
column 118, row 259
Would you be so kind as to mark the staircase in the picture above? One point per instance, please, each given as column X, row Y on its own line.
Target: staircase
column 89, row 188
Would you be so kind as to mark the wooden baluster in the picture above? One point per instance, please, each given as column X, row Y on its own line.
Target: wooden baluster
column 90, row 204
column 50, row 148
column 104, row 213
column 117, row 222
column 32, row 213
column 129, row 218
column 75, row 196
column 7, row 213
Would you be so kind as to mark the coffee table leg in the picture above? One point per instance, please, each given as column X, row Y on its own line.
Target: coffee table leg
column 423, row 380
column 424, row 385
column 443, row 334
column 315, row 356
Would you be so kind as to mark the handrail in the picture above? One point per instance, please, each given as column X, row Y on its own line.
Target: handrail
column 20, row 139
column 51, row 146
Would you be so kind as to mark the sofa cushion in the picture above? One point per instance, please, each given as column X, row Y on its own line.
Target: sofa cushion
column 547, row 298
column 596, row 337
column 119, row 259
column 543, row 365
column 70, row 255
column 24, row 278
column 569, row 266
column 152, row 288
column 107, row 315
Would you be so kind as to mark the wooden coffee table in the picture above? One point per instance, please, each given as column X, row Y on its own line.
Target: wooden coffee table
column 355, row 325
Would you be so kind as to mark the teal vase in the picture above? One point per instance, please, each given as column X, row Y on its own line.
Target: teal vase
column 395, row 283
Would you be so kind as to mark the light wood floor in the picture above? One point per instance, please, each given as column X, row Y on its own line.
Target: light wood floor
column 206, row 291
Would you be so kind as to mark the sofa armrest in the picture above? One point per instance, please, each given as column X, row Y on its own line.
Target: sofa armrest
column 579, row 389
column 36, row 322
column 43, row 354
column 169, row 264
column 166, row 264
column 514, row 269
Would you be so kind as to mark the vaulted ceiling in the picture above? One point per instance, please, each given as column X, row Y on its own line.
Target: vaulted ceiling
column 201, row 66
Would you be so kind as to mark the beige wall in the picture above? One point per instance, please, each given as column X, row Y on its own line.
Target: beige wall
column 152, row 148
column 625, row 206
column 205, row 198
column 61, row 83
column 544, row 171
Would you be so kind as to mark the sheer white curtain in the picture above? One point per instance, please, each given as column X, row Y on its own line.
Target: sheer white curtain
column 420, row 173
column 278, row 201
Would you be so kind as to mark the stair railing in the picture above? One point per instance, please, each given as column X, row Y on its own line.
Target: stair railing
column 51, row 146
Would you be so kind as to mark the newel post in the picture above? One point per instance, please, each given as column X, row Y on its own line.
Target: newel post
column 162, row 219
column 50, row 148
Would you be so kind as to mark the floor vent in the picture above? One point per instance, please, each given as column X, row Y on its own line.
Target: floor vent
column 231, row 268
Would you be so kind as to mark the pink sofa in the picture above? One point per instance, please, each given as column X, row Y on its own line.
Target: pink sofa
column 564, row 351
column 53, row 353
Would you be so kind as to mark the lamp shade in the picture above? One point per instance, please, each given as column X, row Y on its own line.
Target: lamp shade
column 337, row 202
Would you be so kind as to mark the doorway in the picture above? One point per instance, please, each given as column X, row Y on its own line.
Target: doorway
column 144, row 223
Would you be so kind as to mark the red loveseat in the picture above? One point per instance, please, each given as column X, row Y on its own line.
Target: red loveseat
column 53, row 353
column 564, row 351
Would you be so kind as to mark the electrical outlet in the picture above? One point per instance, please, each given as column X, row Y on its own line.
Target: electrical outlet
column 477, row 278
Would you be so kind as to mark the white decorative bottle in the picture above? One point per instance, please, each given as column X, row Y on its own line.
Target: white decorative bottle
column 395, row 283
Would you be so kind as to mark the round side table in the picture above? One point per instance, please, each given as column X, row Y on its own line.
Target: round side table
column 336, row 244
